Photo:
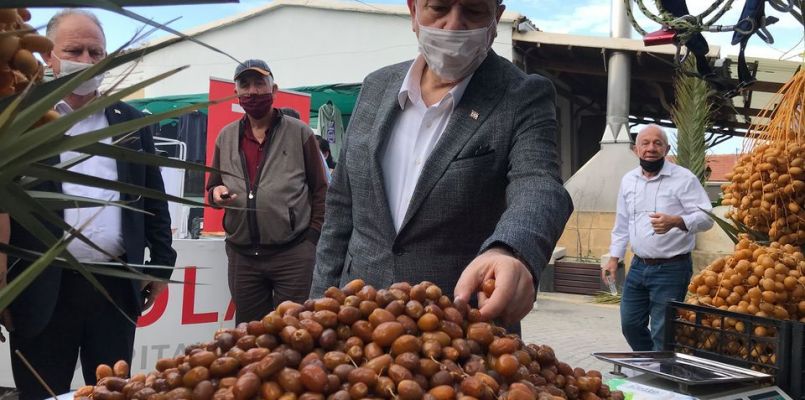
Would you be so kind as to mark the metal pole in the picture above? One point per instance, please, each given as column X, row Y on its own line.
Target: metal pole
column 619, row 78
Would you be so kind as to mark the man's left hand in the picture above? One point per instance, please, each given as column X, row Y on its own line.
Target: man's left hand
column 662, row 223
column 514, row 294
column 151, row 290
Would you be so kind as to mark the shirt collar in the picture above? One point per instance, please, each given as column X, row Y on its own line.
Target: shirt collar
column 63, row 108
column 410, row 91
column 666, row 168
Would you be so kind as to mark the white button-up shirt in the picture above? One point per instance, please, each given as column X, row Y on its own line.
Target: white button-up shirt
column 102, row 225
column 415, row 134
column 674, row 191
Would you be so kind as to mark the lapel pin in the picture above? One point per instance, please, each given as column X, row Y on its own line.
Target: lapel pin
column 474, row 114
column 117, row 111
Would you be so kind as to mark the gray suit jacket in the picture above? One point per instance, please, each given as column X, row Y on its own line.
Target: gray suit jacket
column 492, row 179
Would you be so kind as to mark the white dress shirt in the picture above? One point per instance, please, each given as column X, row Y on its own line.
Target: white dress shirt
column 102, row 225
column 415, row 134
column 674, row 191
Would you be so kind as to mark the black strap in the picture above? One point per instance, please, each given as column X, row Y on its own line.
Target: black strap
column 697, row 45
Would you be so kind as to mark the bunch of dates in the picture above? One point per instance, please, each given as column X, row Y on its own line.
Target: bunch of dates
column 404, row 342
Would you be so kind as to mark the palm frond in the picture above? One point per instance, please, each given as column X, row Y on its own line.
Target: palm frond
column 26, row 142
column 691, row 115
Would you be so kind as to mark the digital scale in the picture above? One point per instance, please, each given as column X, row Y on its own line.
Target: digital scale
column 667, row 375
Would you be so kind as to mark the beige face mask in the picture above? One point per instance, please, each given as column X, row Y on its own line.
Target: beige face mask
column 454, row 55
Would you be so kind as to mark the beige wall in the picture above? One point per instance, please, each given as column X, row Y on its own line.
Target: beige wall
column 588, row 234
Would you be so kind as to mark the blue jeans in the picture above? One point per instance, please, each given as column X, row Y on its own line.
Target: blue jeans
column 646, row 292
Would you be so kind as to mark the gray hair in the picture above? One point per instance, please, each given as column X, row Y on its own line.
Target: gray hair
column 57, row 19
column 655, row 126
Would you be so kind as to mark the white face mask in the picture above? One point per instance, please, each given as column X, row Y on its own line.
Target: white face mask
column 69, row 67
column 453, row 55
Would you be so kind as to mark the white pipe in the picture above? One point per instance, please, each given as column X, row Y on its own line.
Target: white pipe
column 618, row 78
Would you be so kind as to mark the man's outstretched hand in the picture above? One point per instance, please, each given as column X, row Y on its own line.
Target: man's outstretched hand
column 514, row 294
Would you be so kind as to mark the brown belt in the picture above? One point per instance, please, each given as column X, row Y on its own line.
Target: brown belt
column 658, row 261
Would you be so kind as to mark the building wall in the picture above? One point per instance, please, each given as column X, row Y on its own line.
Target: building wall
column 302, row 45
column 588, row 235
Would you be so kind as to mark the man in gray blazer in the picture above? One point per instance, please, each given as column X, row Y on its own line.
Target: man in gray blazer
column 449, row 172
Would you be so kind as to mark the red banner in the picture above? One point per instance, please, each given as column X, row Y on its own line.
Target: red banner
column 219, row 115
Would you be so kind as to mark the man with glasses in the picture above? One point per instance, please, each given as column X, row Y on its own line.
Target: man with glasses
column 61, row 316
column 661, row 207
column 449, row 173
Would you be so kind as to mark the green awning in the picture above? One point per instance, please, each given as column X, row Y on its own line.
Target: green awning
column 342, row 95
column 158, row 105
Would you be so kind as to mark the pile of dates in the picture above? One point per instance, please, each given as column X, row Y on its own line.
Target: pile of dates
column 405, row 342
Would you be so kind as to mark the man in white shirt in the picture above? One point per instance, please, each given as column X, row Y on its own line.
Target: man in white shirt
column 449, row 170
column 659, row 212
column 61, row 317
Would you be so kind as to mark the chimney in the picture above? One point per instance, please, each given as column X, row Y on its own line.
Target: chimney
column 594, row 187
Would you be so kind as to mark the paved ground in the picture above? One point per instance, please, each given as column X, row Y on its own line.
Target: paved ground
column 571, row 324
column 575, row 327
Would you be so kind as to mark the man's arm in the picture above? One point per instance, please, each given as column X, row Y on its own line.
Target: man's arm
column 619, row 236
column 620, row 232
column 214, row 178
column 317, row 186
column 336, row 231
column 694, row 199
column 694, row 203
column 538, row 207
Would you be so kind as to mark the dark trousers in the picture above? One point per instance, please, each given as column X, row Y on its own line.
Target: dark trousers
column 258, row 284
column 83, row 324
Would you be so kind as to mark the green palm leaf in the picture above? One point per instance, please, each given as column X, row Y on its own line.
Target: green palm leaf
column 12, row 202
column 24, row 146
column 33, row 139
column 47, row 172
column 107, row 269
column 61, row 201
column 16, row 286
column 691, row 115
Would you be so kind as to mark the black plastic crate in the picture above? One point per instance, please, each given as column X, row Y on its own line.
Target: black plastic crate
column 757, row 343
column 797, row 390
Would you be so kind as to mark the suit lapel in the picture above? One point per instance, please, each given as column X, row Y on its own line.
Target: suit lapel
column 387, row 113
column 480, row 98
column 115, row 116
